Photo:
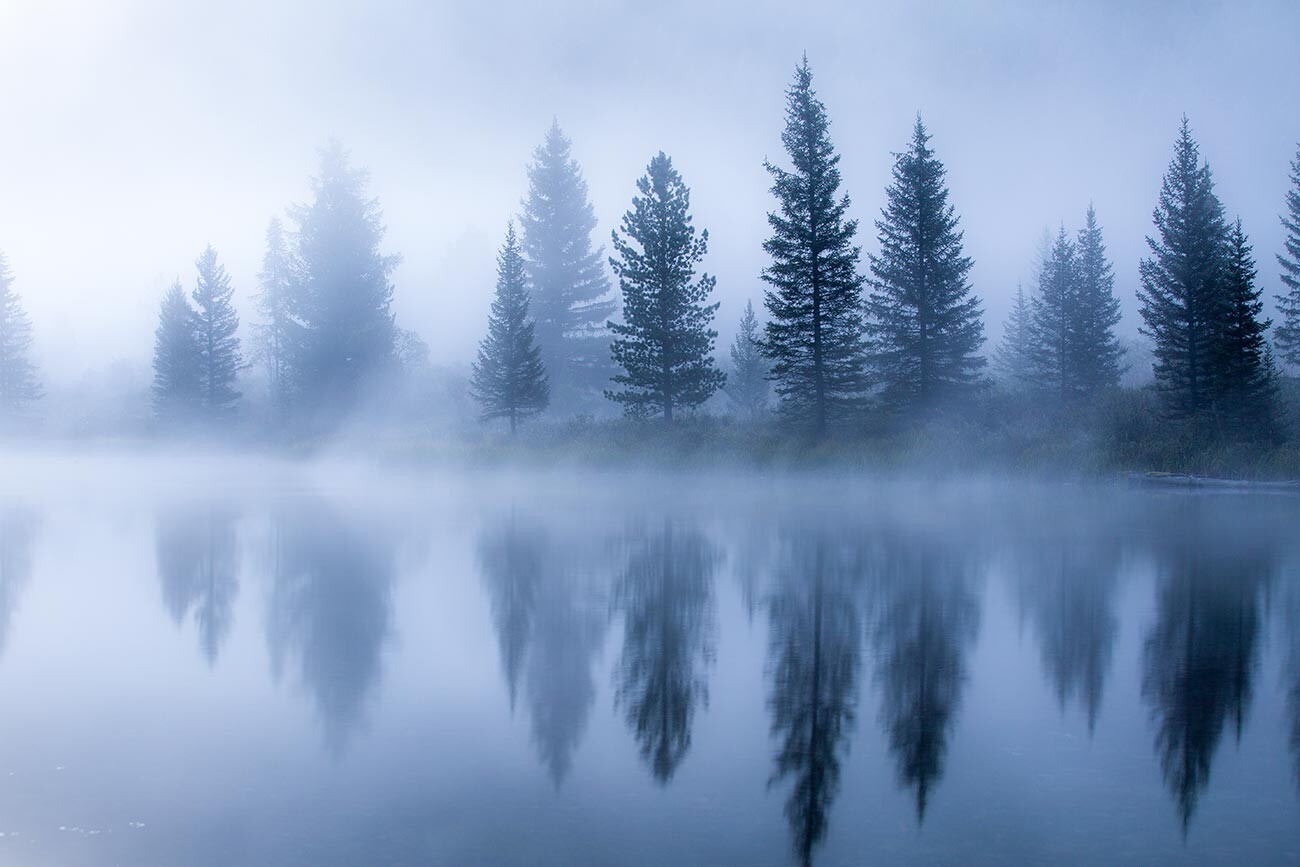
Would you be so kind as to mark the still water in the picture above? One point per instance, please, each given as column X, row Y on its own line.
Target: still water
column 294, row 669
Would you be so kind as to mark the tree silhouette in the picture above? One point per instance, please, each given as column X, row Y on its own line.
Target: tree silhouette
column 198, row 565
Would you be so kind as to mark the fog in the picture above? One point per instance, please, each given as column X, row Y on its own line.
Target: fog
column 137, row 132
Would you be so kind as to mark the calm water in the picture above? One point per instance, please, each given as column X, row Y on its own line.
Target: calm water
column 614, row 670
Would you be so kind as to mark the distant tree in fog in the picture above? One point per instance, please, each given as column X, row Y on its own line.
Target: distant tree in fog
column 275, row 334
column 747, row 384
column 570, row 289
column 177, row 359
column 814, row 334
column 1098, row 355
column 1245, row 376
column 344, row 295
column 1053, row 326
column 1012, row 357
column 216, row 326
column 1288, row 303
column 508, row 379
column 665, row 345
column 924, row 320
column 19, row 385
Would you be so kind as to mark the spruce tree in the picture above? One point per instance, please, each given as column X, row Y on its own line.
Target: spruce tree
column 814, row 333
column 665, row 344
column 925, row 319
column 509, row 380
column 19, row 385
column 1012, row 357
column 344, row 294
column 747, row 384
column 1054, row 323
column 570, row 289
column 1181, row 294
column 1098, row 357
column 1287, row 333
column 274, row 335
column 1245, row 379
column 216, row 326
column 177, row 360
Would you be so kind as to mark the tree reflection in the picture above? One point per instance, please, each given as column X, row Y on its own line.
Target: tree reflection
column 927, row 622
column 198, row 566
column 814, row 652
column 1292, row 670
column 331, row 609
column 666, row 598
column 1200, row 656
column 17, row 530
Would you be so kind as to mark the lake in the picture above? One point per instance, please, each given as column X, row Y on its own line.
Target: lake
column 238, row 664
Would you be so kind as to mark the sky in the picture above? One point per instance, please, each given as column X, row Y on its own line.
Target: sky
column 135, row 132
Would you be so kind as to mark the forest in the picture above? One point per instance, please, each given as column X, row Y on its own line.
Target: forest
column 872, row 355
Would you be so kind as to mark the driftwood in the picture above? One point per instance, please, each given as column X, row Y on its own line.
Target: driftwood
column 1181, row 480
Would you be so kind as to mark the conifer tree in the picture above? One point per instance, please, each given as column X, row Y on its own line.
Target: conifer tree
column 274, row 335
column 344, row 294
column 747, row 384
column 1287, row 332
column 1245, row 379
column 924, row 317
column 177, row 360
column 509, row 380
column 1098, row 357
column 570, row 289
column 1012, row 357
column 814, row 333
column 19, row 385
column 1054, row 327
column 216, row 326
column 1181, row 295
column 665, row 344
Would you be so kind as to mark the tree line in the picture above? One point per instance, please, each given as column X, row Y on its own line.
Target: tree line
column 892, row 341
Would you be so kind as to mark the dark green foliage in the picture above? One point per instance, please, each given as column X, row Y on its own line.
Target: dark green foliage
column 570, row 290
column 19, row 385
column 216, row 327
column 925, row 319
column 1098, row 356
column 509, row 380
column 1052, row 350
column 747, row 384
column 1245, row 379
column 275, row 334
column 814, row 331
column 177, row 360
column 344, row 294
column 1180, row 298
column 1012, row 357
column 665, row 346
column 1288, row 303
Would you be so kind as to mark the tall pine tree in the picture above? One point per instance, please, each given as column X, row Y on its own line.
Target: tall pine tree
column 1098, row 357
column 1245, row 379
column 1054, row 323
column 925, row 318
column 509, row 380
column 665, row 344
column 814, row 333
column 1181, row 296
column 570, row 289
column 216, row 326
column 19, row 385
column 1012, row 357
column 1287, row 333
column 747, row 384
column 275, row 333
column 177, row 360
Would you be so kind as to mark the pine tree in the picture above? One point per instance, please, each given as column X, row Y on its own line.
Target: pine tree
column 747, row 384
column 1181, row 297
column 925, row 319
column 570, row 289
column 1054, row 323
column 344, row 294
column 1245, row 379
column 177, row 360
column 275, row 334
column 814, row 333
column 19, row 385
column 216, row 326
column 1098, row 357
column 509, row 380
column 1012, row 357
column 665, row 345
column 1287, row 333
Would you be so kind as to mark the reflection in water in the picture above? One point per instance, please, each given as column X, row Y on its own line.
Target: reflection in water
column 331, row 608
column 198, row 565
column 814, row 654
column 666, row 597
column 927, row 623
column 17, row 530
column 512, row 561
column 1291, row 672
column 1200, row 656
